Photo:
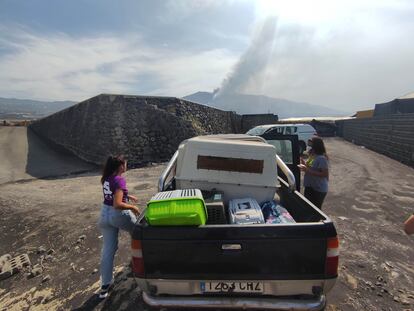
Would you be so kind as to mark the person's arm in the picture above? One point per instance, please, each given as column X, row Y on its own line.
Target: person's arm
column 409, row 225
column 121, row 205
column 322, row 172
column 320, row 167
column 132, row 198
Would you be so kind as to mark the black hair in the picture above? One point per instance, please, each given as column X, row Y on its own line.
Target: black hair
column 318, row 146
column 111, row 166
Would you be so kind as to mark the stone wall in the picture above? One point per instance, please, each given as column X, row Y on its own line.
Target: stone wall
column 145, row 129
column 391, row 135
column 248, row 121
column 203, row 118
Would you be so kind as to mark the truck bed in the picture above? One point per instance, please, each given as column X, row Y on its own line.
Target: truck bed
column 241, row 252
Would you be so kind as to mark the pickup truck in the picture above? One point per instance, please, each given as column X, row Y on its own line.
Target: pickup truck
column 284, row 266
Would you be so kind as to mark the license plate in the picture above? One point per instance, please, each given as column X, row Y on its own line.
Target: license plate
column 231, row 287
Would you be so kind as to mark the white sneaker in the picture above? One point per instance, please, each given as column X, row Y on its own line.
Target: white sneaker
column 104, row 291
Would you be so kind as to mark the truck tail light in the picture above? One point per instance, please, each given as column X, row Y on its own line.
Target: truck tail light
column 332, row 257
column 137, row 259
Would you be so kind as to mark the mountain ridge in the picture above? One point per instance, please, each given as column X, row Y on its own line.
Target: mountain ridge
column 29, row 108
column 255, row 104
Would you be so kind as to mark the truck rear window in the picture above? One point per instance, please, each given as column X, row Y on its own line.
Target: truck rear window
column 230, row 164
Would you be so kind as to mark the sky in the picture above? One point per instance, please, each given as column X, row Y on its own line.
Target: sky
column 346, row 55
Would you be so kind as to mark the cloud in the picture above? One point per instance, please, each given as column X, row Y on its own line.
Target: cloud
column 57, row 66
column 361, row 59
column 334, row 53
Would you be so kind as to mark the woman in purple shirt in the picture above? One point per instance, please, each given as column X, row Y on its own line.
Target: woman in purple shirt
column 116, row 214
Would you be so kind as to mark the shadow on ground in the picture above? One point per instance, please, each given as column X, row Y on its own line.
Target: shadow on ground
column 47, row 162
column 124, row 296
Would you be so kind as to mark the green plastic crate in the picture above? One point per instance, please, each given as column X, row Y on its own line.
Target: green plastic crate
column 177, row 208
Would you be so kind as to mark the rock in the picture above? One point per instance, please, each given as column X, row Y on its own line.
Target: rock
column 65, row 249
column 394, row 274
column 41, row 250
column 81, row 269
column 378, row 284
column 77, row 247
column 49, row 258
column 95, row 271
column 51, row 251
column 396, row 299
column 81, row 239
column 353, row 282
column 401, row 291
column 47, row 298
column 35, row 272
column 379, row 294
column 46, row 278
column 405, row 302
column 4, row 259
column 389, row 264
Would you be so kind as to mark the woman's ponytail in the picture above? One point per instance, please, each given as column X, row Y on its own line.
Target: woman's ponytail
column 111, row 166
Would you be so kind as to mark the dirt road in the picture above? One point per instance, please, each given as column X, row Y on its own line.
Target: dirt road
column 370, row 196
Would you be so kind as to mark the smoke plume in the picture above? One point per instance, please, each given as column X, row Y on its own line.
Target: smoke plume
column 253, row 61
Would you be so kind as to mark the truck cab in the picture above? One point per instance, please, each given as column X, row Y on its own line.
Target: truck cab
column 283, row 266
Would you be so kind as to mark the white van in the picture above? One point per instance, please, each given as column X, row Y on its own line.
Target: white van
column 304, row 132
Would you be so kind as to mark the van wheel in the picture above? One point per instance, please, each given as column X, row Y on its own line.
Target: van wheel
column 302, row 147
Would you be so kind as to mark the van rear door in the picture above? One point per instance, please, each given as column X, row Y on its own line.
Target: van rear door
column 287, row 148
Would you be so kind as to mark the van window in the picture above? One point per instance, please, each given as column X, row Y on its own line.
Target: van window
column 295, row 129
column 288, row 130
column 276, row 129
column 256, row 131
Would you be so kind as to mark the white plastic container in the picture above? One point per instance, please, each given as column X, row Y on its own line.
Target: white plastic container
column 238, row 165
column 245, row 212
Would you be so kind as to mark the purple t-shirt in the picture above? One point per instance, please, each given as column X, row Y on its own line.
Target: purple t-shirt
column 109, row 187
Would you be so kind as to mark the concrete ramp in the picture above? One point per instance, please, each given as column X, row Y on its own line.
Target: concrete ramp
column 23, row 155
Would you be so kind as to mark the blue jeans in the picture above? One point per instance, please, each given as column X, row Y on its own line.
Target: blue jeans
column 111, row 220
